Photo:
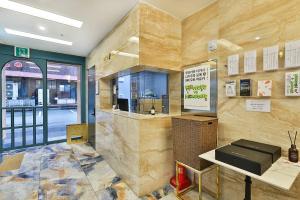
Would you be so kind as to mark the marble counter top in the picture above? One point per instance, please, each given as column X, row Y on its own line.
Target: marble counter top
column 281, row 174
column 135, row 115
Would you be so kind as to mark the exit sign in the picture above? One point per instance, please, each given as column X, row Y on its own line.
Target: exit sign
column 22, row 52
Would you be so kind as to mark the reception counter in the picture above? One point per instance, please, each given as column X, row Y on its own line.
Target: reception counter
column 138, row 147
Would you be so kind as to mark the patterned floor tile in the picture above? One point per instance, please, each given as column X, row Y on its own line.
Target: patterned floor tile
column 70, row 172
column 83, row 151
column 66, row 188
column 18, row 188
column 100, row 175
column 118, row 191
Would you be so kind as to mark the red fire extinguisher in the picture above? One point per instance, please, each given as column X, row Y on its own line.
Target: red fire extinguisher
column 183, row 180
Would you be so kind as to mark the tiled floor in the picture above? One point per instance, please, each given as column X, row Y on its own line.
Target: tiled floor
column 61, row 172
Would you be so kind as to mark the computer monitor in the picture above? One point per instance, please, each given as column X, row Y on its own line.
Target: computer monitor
column 123, row 104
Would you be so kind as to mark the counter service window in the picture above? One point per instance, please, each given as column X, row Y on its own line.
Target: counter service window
column 139, row 92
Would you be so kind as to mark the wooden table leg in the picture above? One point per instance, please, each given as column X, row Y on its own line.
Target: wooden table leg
column 218, row 183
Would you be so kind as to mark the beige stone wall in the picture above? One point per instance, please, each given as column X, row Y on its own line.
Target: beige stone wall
column 160, row 39
column 156, row 153
column 139, row 150
column 117, row 39
column 159, row 46
column 240, row 21
column 117, row 139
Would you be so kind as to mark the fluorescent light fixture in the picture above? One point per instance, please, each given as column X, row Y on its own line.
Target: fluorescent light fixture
column 42, row 28
column 134, row 39
column 37, row 37
column 10, row 5
column 125, row 54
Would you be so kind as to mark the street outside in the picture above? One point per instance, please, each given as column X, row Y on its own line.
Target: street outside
column 58, row 118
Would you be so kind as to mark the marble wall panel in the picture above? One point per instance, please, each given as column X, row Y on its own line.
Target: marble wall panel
column 240, row 22
column 139, row 150
column 197, row 30
column 175, row 93
column 117, row 142
column 160, row 38
column 117, row 39
column 156, row 154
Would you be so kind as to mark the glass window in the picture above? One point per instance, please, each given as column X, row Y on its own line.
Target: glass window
column 22, row 91
column 23, row 80
column 63, row 87
column 141, row 91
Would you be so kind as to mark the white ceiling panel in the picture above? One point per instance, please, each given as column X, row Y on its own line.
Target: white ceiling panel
column 98, row 16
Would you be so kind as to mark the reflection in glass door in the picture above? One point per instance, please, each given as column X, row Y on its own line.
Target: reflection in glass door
column 22, row 105
column 63, row 98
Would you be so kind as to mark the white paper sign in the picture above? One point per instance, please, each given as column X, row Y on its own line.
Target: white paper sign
column 197, row 88
column 258, row 105
column 292, row 54
column 233, row 64
column 270, row 58
column 250, row 61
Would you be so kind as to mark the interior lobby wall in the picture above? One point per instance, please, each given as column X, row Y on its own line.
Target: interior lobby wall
column 146, row 153
column 240, row 22
column 160, row 38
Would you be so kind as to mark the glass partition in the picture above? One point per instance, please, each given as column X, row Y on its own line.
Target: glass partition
column 139, row 92
column 63, row 95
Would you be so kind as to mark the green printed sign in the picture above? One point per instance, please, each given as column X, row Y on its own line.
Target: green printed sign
column 22, row 52
column 197, row 88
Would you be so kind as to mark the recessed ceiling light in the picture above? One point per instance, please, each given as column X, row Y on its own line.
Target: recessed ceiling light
column 39, row 13
column 38, row 37
column 257, row 38
column 42, row 28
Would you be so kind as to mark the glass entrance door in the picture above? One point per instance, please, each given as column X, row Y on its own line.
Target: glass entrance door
column 22, row 123
column 63, row 82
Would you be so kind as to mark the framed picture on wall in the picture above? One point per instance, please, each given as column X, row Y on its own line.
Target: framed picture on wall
column 197, row 87
column 292, row 83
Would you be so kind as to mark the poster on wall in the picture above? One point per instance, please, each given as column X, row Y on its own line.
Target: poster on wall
column 292, row 84
column 197, row 88
column 230, row 88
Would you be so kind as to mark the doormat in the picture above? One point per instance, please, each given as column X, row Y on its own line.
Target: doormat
column 11, row 162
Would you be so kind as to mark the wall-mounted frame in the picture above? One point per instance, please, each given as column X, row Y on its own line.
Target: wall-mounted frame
column 213, row 90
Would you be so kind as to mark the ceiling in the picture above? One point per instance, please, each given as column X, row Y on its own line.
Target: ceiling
column 98, row 16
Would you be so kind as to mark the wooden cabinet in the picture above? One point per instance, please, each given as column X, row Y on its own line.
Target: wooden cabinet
column 192, row 136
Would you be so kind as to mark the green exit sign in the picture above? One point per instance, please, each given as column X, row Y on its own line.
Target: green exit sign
column 22, row 52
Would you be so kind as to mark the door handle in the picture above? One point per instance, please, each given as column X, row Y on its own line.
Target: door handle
column 94, row 113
